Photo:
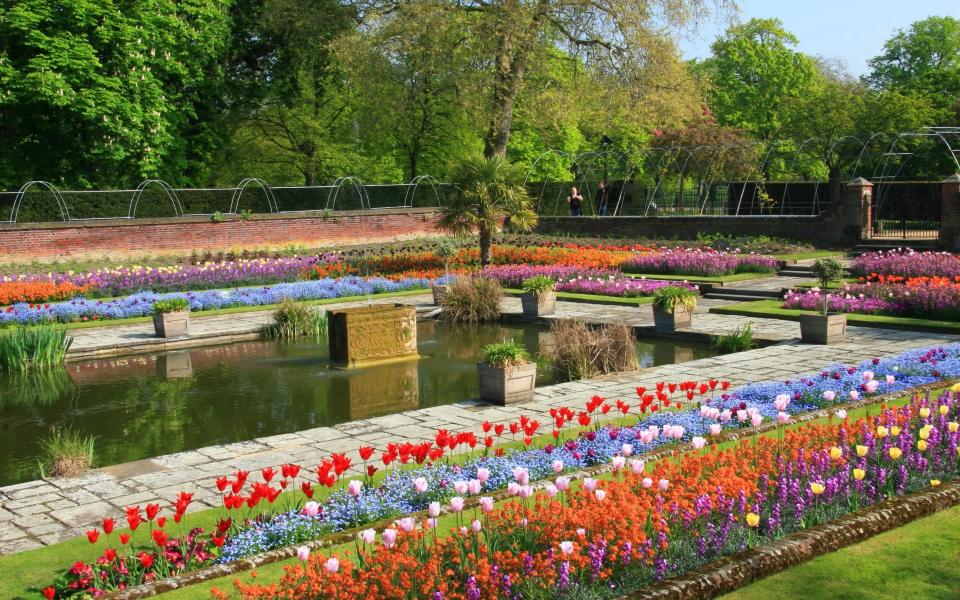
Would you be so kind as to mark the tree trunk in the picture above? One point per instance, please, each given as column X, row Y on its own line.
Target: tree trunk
column 309, row 179
column 412, row 156
column 510, row 65
column 484, row 246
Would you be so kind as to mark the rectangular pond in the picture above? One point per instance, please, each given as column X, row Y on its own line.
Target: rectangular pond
column 148, row 405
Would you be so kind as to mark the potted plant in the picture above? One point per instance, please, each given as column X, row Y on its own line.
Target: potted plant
column 539, row 296
column 506, row 376
column 171, row 317
column 673, row 308
column 446, row 250
column 825, row 328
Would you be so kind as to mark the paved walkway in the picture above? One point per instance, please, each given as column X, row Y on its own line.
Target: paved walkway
column 43, row 512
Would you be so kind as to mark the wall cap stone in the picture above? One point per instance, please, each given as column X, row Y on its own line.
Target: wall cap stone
column 859, row 181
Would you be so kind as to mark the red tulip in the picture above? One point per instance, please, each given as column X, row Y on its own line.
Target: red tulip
column 159, row 537
column 268, row 473
column 109, row 554
column 488, row 441
column 498, row 429
column 161, row 521
column 223, row 525
column 222, row 483
column 152, row 510
column 366, row 452
column 307, row 489
column 218, row 541
column 583, row 419
column 371, row 470
column 50, row 592
column 725, row 385
column 124, row 538
column 486, row 426
column 236, row 486
column 527, row 440
column 556, row 434
column 672, row 387
column 108, row 525
column 146, row 560
column 93, row 535
column 514, row 428
column 242, row 477
column 498, row 452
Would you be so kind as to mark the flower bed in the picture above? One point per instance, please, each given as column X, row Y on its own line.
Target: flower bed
column 907, row 263
column 923, row 301
column 258, row 517
column 38, row 291
column 642, row 526
column 576, row 280
column 707, row 263
column 141, row 304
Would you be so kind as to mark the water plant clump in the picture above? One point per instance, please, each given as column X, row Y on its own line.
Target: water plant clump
column 741, row 339
column 582, row 351
column 296, row 320
column 65, row 453
column 26, row 348
column 472, row 300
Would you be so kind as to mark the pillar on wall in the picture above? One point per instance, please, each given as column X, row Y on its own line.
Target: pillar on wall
column 855, row 213
column 950, row 213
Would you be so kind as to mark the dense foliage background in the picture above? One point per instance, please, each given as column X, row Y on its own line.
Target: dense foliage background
column 108, row 93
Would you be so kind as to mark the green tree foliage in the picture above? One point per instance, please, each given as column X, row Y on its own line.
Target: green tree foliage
column 753, row 74
column 110, row 92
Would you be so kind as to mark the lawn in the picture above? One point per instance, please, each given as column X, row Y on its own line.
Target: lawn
column 719, row 279
column 919, row 560
column 772, row 309
column 795, row 256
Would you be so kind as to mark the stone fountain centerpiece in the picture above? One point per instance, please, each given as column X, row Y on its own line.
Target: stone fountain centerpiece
column 368, row 334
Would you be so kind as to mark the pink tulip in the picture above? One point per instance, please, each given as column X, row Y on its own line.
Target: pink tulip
column 871, row 386
column 663, row 485
column 354, row 487
column 368, row 535
column 526, row 491
column 407, row 524
column 783, row 418
column 841, row 414
column 483, row 474
column 456, row 504
column 476, row 526
column 460, row 487
column 756, row 419
column 551, row 490
column 581, row 532
column 678, row 431
column 742, row 415
column 311, row 509
column 566, row 548
column 715, row 428
column 563, row 483
column 725, row 416
column 890, row 379
column 513, row 488
column 636, row 466
column 521, row 475
column 420, row 484
column 332, row 565
column 829, row 395
column 854, row 395
column 618, row 462
column 646, row 437
column 589, row 484
column 698, row 442
column 303, row 552
column 432, row 523
column 647, row 482
column 867, row 376
column 781, row 401
column 486, row 504
column 600, row 494
column 389, row 537
column 474, row 486
column 434, row 509
column 626, row 450
column 558, row 466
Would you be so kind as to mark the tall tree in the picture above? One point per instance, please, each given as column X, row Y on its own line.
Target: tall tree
column 112, row 92
column 753, row 74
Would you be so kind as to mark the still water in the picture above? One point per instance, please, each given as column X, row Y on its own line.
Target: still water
column 148, row 405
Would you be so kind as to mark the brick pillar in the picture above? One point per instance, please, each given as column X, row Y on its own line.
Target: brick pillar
column 853, row 216
column 950, row 213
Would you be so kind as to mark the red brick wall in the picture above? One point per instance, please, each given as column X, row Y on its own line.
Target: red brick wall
column 151, row 237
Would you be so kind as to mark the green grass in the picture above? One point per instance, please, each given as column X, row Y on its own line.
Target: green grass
column 702, row 278
column 918, row 560
column 591, row 298
column 32, row 570
column 772, row 309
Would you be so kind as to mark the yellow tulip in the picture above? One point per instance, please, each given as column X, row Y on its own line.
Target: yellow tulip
column 944, row 409
column 753, row 519
column 817, row 488
column 924, row 433
column 924, row 412
column 859, row 474
column 881, row 431
column 894, row 431
column 921, row 446
column 862, row 450
column 835, row 452
column 953, row 426
column 955, row 387
column 895, row 453
column 934, row 482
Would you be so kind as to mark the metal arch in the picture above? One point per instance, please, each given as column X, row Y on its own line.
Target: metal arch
column 526, row 179
column 357, row 184
column 856, row 167
column 18, row 199
column 786, row 186
column 242, row 186
column 766, row 159
column 171, row 195
column 656, row 187
column 720, row 150
column 415, row 182
column 837, row 142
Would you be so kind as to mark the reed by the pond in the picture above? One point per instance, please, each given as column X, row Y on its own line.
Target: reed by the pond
column 33, row 347
column 295, row 320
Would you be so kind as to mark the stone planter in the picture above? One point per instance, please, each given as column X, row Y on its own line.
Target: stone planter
column 507, row 385
column 172, row 324
column 439, row 291
column 665, row 322
column 819, row 329
column 538, row 304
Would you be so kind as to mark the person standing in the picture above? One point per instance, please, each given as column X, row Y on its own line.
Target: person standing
column 575, row 200
column 603, row 195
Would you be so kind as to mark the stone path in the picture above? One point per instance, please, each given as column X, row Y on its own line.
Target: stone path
column 37, row 513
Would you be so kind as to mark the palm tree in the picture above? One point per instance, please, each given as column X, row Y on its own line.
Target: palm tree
column 486, row 193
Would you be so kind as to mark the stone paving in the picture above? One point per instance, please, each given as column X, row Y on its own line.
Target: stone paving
column 37, row 513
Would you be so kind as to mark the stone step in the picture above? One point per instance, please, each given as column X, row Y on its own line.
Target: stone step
column 887, row 245
column 735, row 297
column 796, row 272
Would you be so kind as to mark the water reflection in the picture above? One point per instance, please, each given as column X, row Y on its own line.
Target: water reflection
column 142, row 406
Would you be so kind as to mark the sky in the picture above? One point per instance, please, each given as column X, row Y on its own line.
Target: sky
column 850, row 30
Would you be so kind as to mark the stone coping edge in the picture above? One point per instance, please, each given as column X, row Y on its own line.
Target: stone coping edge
column 251, row 562
column 729, row 574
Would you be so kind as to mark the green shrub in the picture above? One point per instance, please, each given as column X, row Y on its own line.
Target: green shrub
column 670, row 297
column 294, row 320
column 581, row 351
column 171, row 305
column 472, row 300
column 741, row 339
column 538, row 284
column 33, row 347
column 65, row 453
column 505, row 354
column 828, row 271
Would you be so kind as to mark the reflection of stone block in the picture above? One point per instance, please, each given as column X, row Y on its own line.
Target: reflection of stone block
column 384, row 389
column 371, row 333
column 174, row 365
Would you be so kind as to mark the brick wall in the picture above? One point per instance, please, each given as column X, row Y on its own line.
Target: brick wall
column 950, row 213
column 151, row 237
